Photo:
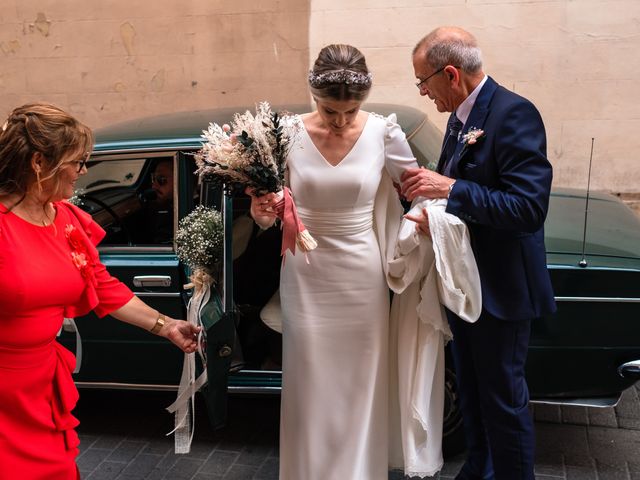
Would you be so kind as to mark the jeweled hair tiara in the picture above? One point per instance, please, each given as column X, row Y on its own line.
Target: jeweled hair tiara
column 349, row 77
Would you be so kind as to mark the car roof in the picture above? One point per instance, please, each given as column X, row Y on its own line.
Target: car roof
column 613, row 229
column 184, row 129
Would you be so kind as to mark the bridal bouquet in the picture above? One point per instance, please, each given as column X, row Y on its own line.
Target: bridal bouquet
column 199, row 245
column 252, row 152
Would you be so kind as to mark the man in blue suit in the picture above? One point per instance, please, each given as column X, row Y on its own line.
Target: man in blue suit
column 494, row 171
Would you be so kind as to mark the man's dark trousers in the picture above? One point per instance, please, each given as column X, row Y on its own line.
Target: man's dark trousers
column 489, row 357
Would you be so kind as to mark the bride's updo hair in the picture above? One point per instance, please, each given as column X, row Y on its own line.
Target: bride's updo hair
column 340, row 73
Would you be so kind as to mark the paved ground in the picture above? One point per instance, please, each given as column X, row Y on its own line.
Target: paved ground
column 122, row 437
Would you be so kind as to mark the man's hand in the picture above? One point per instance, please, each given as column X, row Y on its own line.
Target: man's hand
column 420, row 182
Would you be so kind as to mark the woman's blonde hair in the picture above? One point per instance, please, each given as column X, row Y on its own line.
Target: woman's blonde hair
column 38, row 128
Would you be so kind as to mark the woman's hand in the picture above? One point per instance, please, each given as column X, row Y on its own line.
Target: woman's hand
column 422, row 222
column 183, row 334
column 263, row 205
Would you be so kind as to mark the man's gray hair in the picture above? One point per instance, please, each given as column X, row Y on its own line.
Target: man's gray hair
column 458, row 50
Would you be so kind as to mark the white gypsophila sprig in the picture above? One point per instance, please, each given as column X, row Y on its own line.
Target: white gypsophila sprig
column 76, row 198
column 199, row 239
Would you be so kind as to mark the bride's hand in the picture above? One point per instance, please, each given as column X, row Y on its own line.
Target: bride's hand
column 422, row 222
column 263, row 205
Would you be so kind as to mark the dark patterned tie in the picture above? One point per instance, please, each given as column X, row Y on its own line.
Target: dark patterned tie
column 454, row 126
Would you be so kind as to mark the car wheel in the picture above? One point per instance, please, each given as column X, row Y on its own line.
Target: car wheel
column 453, row 431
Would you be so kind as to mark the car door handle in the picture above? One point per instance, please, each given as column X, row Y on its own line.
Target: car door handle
column 630, row 370
column 152, row 281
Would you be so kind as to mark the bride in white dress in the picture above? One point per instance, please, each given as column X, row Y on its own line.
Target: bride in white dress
column 335, row 406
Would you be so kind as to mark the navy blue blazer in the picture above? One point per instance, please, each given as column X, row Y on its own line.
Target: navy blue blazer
column 502, row 192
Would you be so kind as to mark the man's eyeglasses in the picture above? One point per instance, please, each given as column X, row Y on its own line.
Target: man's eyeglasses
column 159, row 179
column 419, row 84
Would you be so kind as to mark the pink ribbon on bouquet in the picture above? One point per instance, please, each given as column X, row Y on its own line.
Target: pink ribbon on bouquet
column 293, row 231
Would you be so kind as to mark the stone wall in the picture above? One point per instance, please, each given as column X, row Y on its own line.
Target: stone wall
column 114, row 59
column 577, row 60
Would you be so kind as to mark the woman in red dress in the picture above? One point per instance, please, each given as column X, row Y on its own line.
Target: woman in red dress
column 50, row 269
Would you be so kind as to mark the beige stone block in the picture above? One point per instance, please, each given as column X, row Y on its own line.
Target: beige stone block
column 329, row 5
column 12, row 41
column 145, row 36
column 60, row 39
column 489, row 3
column 615, row 166
column 52, row 75
column 105, row 108
column 573, row 61
column 395, row 95
column 603, row 20
column 171, row 34
column 205, row 7
column 254, row 68
column 11, row 100
column 616, row 99
column 376, row 27
column 244, row 33
column 12, row 75
column 72, row 75
column 104, row 10
column 10, row 30
column 510, row 34
column 391, row 66
column 122, row 38
column 9, row 12
column 86, row 38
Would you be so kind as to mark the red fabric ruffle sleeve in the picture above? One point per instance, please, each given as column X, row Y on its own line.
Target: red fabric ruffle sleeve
column 103, row 293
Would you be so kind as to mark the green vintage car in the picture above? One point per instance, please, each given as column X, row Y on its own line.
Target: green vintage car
column 586, row 354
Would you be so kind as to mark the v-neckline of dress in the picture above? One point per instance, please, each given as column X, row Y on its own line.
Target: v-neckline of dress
column 346, row 155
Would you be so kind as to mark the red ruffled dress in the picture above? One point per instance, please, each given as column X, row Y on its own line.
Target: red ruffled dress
column 46, row 273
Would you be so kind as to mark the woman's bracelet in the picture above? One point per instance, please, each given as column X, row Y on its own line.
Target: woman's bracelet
column 159, row 324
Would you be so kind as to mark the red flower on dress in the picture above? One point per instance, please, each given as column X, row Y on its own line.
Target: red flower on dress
column 79, row 254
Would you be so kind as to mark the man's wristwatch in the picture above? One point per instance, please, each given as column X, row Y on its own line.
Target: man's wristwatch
column 450, row 188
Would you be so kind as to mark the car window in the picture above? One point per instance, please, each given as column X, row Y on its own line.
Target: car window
column 104, row 174
column 132, row 198
column 426, row 143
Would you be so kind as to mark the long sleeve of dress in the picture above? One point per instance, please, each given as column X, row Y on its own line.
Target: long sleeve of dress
column 103, row 293
column 398, row 154
column 416, row 343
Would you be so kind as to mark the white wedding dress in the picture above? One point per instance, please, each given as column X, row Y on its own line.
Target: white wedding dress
column 334, row 415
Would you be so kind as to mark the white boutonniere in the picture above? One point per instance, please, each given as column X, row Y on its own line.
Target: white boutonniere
column 472, row 136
